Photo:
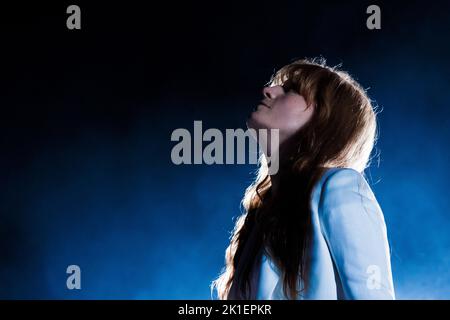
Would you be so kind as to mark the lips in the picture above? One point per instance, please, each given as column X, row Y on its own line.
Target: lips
column 261, row 103
column 264, row 104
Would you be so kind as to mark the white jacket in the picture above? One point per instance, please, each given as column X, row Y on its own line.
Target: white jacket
column 350, row 256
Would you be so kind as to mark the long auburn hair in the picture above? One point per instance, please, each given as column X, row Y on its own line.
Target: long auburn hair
column 341, row 133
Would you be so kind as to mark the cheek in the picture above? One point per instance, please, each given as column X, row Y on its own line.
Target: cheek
column 294, row 116
column 303, row 116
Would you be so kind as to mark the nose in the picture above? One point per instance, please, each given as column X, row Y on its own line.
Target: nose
column 272, row 92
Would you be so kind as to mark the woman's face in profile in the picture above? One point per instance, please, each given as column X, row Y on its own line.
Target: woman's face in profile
column 281, row 109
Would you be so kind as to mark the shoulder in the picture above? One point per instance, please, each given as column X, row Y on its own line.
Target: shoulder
column 342, row 176
column 346, row 187
column 347, row 201
column 337, row 180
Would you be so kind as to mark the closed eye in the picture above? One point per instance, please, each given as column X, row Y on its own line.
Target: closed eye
column 287, row 86
column 290, row 86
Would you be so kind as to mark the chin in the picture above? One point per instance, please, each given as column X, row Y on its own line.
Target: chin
column 253, row 121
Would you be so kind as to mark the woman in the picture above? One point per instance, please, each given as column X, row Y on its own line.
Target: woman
column 313, row 229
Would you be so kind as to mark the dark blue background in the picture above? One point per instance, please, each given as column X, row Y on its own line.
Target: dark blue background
column 86, row 117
